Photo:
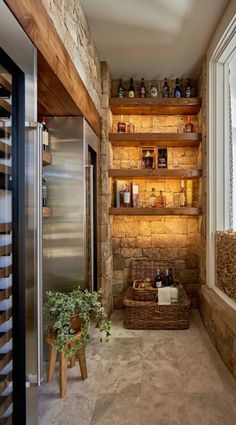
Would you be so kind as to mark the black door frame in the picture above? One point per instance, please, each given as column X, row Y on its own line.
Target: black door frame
column 18, row 237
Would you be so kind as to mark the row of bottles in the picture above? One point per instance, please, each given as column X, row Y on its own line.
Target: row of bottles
column 163, row 278
column 129, row 128
column 178, row 92
column 129, row 196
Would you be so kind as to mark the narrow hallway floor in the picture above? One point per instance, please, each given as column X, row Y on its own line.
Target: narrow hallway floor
column 145, row 378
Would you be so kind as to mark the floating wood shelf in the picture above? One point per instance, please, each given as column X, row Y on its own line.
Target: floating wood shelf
column 5, row 108
column 5, row 249
column 4, row 169
column 4, row 83
column 155, row 106
column 5, row 150
column 156, row 211
column 5, row 272
column 155, row 139
column 47, row 158
column 47, row 212
column 5, row 227
column 157, row 173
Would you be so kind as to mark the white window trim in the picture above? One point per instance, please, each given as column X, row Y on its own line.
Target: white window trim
column 218, row 170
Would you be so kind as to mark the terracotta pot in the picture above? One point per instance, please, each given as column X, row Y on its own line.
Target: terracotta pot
column 76, row 323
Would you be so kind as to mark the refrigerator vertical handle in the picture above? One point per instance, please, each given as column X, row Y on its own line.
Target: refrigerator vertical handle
column 91, row 170
column 39, row 262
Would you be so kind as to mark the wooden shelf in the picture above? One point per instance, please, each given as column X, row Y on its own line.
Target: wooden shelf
column 47, row 212
column 5, row 150
column 155, row 106
column 5, row 272
column 5, row 249
column 4, row 169
column 155, row 139
column 155, row 173
column 156, row 211
column 5, row 227
column 4, row 83
column 5, row 108
column 47, row 158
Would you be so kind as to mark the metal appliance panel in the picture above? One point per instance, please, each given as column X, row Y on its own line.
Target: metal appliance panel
column 64, row 232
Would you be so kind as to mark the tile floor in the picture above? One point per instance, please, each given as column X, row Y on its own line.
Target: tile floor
column 145, row 378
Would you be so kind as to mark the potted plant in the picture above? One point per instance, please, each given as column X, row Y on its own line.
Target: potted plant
column 67, row 313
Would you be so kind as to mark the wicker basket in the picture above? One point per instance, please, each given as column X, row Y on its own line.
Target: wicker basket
column 149, row 315
column 144, row 294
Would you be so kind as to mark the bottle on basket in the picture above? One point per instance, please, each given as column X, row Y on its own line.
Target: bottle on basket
column 167, row 280
column 158, row 280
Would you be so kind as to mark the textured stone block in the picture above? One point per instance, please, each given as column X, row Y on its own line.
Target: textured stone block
column 119, row 229
column 128, row 243
column 144, row 228
column 144, row 241
column 158, row 227
column 176, row 226
column 131, row 252
column 131, row 229
column 169, row 241
column 118, row 262
column 118, row 277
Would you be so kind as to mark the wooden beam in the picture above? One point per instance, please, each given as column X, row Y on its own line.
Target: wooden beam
column 37, row 24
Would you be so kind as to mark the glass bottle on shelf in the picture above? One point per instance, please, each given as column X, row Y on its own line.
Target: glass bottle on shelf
column 142, row 89
column 188, row 89
column 177, row 91
column 44, row 191
column 182, row 195
column 121, row 90
column 188, row 126
column 161, row 200
column 121, row 126
column 45, row 135
column 165, row 90
column 131, row 88
column 148, row 159
column 154, row 91
column 153, row 199
column 127, row 203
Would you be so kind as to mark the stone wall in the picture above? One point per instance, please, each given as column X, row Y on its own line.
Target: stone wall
column 225, row 263
column 70, row 23
column 176, row 238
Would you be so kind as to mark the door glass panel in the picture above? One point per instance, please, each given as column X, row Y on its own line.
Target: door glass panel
column 5, row 247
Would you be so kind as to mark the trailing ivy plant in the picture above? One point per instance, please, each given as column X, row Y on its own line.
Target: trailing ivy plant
column 61, row 308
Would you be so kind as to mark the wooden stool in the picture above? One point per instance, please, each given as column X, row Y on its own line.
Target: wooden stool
column 63, row 362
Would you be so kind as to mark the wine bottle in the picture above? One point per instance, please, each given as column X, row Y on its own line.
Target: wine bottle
column 182, row 195
column 161, row 200
column 188, row 89
column 188, row 126
column 44, row 191
column 165, row 90
column 131, row 88
column 126, row 197
column 45, row 135
column 121, row 90
column 142, row 89
column 158, row 280
column 177, row 92
column 167, row 279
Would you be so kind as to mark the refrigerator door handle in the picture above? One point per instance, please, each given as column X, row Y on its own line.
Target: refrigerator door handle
column 91, row 171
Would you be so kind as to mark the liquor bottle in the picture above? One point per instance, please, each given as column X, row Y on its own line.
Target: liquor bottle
column 162, row 158
column 135, row 195
column 153, row 199
column 121, row 90
column 165, row 90
column 121, row 126
column 182, row 195
column 142, row 89
column 45, row 135
column 188, row 126
column 167, row 279
column 158, row 280
column 131, row 88
column 161, row 200
column 188, row 89
column 148, row 160
column 126, row 197
column 44, row 191
column 177, row 92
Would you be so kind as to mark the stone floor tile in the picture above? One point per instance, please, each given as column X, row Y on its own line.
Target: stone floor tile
column 163, row 374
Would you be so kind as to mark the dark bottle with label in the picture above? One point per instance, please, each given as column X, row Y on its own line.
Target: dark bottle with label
column 177, row 92
column 165, row 90
column 142, row 89
column 167, row 279
column 131, row 88
column 121, row 90
column 44, row 192
column 188, row 89
column 158, row 280
column 45, row 135
column 127, row 197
